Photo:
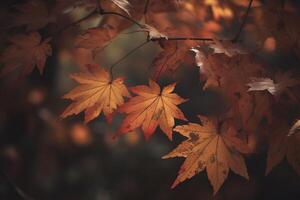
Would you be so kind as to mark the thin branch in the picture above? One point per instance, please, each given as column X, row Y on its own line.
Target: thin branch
column 75, row 22
column 98, row 6
column 183, row 38
column 123, row 16
column 235, row 39
column 101, row 11
column 17, row 190
column 146, row 7
column 125, row 56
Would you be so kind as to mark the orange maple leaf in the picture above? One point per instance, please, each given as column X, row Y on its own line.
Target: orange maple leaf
column 152, row 107
column 206, row 148
column 97, row 93
column 26, row 51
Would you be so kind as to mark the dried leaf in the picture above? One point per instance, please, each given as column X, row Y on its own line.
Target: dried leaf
column 245, row 110
column 154, row 33
column 295, row 128
column 123, row 4
column 96, row 94
column 26, row 51
column 167, row 61
column 152, row 107
column 283, row 82
column 95, row 38
column 206, row 73
column 34, row 14
column 283, row 146
column 206, row 148
column 260, row 84
column 226, row 47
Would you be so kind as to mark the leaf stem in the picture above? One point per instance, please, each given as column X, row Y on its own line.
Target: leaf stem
column 146, row 7
column 121, row 15
column 75, row 23
column 17, row 190
column 183, row 38
column 235, row 39
column 101, row 11
column 125, row 56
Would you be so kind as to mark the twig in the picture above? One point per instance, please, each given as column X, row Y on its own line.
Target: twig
column 146, row 7
column 11, row 183
column 101, row 11
column 123, row 16
column 183, row 38
column 75, row 22
column 125, row 56
column 235, row 39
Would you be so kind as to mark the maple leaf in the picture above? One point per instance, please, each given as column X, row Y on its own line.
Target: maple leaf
column 152, row 107
column 200, row 58
column 154, row 33
column 26, row 51
column 284, row 143
column 230, row 75
column 123, row 4
column 205, row 148
column 96, row 94
column 95, row 38
column 168, row 60
column 283, row 82
column 34, row 14
column 205, row 68
column 227, row 47
column 83, row 56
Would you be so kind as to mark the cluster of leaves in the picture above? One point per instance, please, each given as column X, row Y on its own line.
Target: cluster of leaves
column 258, row 100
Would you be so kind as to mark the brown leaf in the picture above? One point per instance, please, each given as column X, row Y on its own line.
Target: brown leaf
column 123, row 4
column 283, row 146
column 245, row 110
column 26, row 52
column 96, row 38
column 154, row 33
column 295, row 128
column 226, row 47
column 282, row 82
column 167, row 61
column 34, row 14
column 205, row 69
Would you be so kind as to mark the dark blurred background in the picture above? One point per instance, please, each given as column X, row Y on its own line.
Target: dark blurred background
column 53, row 159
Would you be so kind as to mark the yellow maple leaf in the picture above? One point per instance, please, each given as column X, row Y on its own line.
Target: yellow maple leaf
column 206, row 148
column 97, row 93
column 152, row 107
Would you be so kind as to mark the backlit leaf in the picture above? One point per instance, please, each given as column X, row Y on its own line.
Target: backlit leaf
column 151, row 108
